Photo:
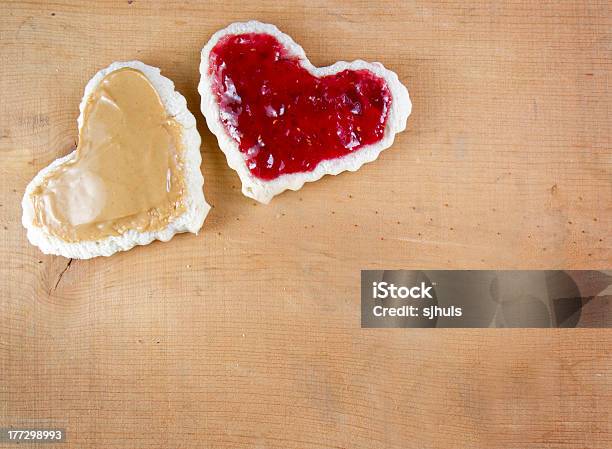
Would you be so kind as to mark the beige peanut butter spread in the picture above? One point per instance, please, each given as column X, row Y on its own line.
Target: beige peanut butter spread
column 128, row 171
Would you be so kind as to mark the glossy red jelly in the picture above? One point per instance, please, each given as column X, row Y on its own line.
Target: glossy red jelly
column 286, row 120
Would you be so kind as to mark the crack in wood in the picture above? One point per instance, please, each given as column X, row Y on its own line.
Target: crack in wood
column 59, row 278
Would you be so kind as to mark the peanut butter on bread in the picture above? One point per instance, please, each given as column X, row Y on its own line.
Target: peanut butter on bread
column 128, row 170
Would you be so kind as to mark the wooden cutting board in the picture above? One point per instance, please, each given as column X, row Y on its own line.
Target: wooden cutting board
column 248, row 334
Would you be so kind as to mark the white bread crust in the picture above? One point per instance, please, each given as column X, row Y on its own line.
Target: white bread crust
column 196, row 207
column 262, row 190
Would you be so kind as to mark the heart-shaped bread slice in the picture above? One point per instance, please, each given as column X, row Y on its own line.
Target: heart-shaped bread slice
column 134, row 177
column 281, row 121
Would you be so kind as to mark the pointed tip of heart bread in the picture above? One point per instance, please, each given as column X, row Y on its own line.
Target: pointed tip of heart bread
column 196, row 206
column 264, row 190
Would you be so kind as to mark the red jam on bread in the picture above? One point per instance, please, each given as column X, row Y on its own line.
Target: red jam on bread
column 286, row 120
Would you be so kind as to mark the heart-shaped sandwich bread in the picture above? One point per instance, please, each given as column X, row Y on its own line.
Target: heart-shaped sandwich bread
column 134, row 176
column 281, row 121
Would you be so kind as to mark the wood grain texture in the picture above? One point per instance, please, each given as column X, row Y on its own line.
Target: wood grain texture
column 248, row 334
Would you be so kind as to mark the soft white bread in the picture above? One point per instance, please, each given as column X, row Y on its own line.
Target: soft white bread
column 196, row 207
column 262, row 190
